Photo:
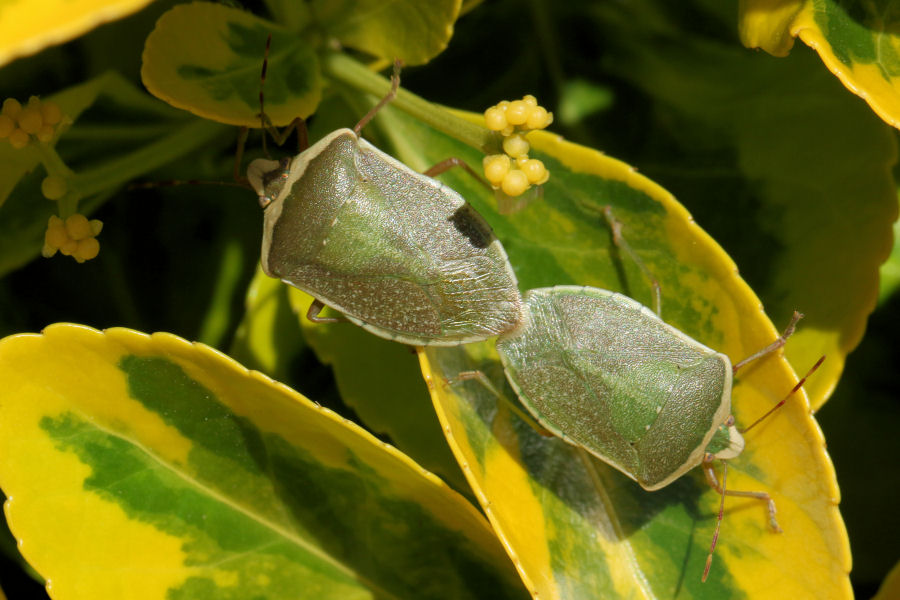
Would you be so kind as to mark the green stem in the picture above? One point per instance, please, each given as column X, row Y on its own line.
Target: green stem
column 122, row 170
column 341, row 67
column 53, row 163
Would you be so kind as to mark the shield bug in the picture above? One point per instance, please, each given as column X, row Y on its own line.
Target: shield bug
column 397, row 252
column 606, row 374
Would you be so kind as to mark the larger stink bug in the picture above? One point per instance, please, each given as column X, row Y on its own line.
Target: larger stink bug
column 397, row 252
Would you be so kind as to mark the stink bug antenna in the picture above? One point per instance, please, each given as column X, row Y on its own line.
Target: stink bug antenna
column 794, row 390
column 395, row 85
column 262, row 85
column 715, row 538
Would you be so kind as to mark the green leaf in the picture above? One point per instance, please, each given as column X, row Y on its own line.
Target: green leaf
column 381, row 381
column 409, row 30
column 787, row 170
column 125, row 454
column 576, row 527
column 268, row 338
column 889, row 272
column 857, row 40
column 214, row 71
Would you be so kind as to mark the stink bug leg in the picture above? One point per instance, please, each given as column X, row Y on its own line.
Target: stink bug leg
column 709, row 458
column 279, row 137
column 778, row 343
column 619, row 240
column 313, row 314
column 481, row 378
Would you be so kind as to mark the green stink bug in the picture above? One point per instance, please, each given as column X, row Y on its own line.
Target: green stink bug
column 397, row 252
column 606, row 374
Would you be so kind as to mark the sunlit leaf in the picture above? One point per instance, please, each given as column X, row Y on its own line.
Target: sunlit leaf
column 381, row 381
column 409, row 30
column 148, row 467
column 268, row 338
column 856, row 39
column 575, row 527
column 214, row 71
column 28, row 26
column 789, row 172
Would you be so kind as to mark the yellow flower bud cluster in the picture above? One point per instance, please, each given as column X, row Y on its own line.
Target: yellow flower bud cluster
column 75, row 237
column 36, row 119
column 513, row 172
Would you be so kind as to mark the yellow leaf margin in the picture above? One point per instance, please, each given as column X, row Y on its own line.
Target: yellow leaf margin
column 29, row 26
column 773, row 24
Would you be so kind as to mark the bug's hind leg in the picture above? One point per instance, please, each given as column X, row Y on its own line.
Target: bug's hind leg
column 619, row 240
column 481, row 378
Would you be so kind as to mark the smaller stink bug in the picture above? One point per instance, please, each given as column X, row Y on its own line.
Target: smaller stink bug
column 606, row 374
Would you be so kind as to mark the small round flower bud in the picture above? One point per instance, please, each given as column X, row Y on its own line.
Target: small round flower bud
column 516, row 145
column 51, row 113
column 56, row 234
column 496, row 166
column 18, row 139
column 87, row 249
column 539, row 118
column 535, row 171
column 7, row 126
column 30, row 120
column 78, row 227
column 11, row 107
column 69, row 247
column 517, row 112
column 495, row 118
column 515, row 183
column 53, row 187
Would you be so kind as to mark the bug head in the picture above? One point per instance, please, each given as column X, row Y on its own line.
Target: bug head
column 727, row 442
column 267, row 178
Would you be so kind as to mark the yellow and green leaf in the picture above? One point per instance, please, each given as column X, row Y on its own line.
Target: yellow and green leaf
column 125, row 455
column 214, row 71
column 268, row 338
column 28, row 26
column 575, row 527
column 381, row 381
column 787, row 171
column 857, row 40
column 409, row 30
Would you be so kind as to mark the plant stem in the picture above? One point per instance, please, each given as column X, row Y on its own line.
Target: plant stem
column 350, row 72
column 122, row 170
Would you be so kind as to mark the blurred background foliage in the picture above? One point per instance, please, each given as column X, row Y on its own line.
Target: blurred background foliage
column 180, row 259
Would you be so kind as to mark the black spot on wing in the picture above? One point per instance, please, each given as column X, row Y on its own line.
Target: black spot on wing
column 470, row 224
